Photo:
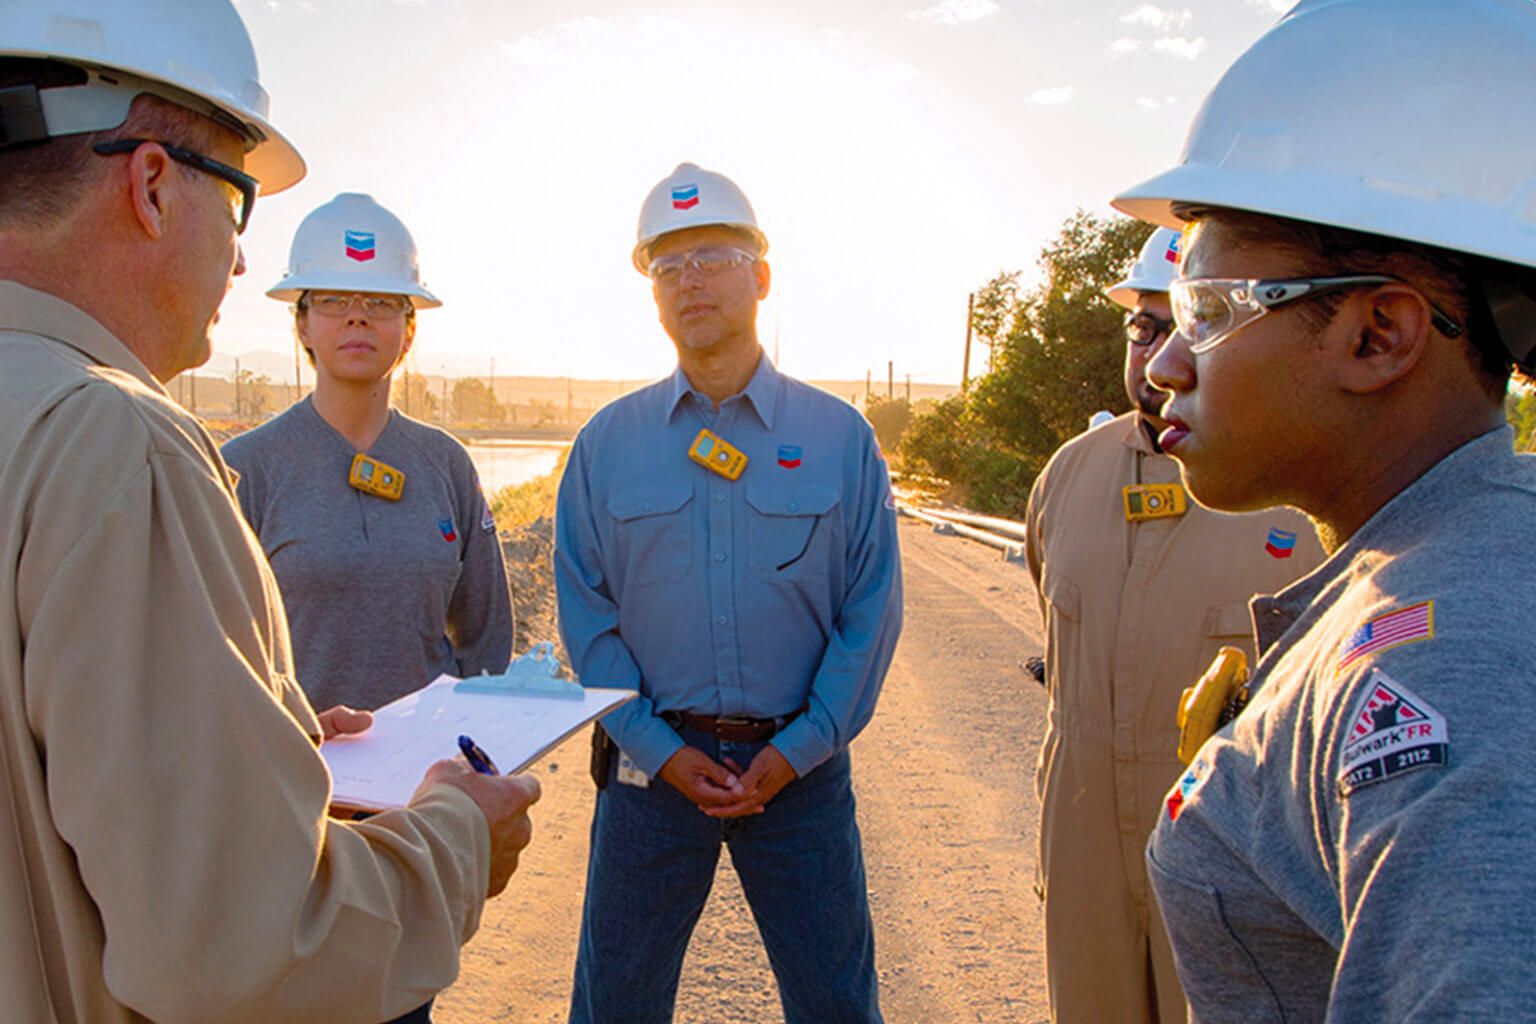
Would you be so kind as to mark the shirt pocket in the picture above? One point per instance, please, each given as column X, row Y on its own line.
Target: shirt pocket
column 1228, row 621
column 790, row 529
column 1221, row 977
column 653, row 527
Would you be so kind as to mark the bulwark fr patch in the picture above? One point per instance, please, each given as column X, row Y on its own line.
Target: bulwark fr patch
column 1392, row 730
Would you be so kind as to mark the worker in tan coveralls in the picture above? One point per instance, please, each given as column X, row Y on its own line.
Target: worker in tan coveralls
column 165, row 852
column 1138, row 588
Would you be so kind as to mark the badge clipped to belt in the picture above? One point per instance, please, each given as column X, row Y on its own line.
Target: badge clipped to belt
column 377, row 478
column 1153, row 501
column 717, row 455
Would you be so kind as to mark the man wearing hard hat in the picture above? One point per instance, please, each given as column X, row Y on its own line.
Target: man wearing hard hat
column 165, row 852
column 726, row 545
column 1138, row 588
column 1359, row 279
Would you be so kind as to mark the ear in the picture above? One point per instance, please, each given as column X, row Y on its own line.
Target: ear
column 410, row 339
column 764, row 278
column 151, row 180
column 1387, row 332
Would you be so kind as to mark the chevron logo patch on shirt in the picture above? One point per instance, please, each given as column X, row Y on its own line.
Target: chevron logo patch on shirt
column 445, row 527
column 1189, row 783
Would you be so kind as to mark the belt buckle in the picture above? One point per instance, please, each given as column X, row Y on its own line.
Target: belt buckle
column 733, row 721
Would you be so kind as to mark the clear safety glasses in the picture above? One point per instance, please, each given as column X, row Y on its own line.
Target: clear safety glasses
column 706, row 261
column 240, row 187
column 1143, row 329
column 1209, row 310
column 375, row 307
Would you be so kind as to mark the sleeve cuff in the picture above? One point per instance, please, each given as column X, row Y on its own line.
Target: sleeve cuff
column 802, row 746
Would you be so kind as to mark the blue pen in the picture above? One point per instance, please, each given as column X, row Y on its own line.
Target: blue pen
column 478, row 759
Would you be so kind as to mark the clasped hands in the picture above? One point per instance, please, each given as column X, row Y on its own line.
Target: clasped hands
column 724, row 790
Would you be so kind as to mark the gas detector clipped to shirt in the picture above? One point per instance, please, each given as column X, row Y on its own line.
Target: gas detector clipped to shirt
column 377, row 478
column 717, row 455
column 1215, row 699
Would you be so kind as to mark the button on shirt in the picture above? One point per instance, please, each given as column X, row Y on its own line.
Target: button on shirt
column 755, row 597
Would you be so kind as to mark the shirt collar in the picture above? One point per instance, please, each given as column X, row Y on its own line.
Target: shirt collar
column 37, row 312
column 761, row 392
column 1393, row 527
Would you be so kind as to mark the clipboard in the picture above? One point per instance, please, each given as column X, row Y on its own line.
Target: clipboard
column 516, row 718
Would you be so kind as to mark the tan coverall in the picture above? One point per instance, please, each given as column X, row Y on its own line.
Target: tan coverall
column 1133, row 612
column 164, row 847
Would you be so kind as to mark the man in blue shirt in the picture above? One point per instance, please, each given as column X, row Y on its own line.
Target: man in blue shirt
column 755, row 609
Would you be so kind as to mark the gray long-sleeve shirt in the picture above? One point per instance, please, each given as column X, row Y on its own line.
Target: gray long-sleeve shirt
column 382, row 596
column 1355, row 846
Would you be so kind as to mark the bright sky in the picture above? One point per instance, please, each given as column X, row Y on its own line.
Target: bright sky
column 898, row 155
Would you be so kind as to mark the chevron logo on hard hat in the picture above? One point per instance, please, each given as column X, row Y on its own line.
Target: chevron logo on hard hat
column 361, row 246
column 1172, row 253
column 685, row 197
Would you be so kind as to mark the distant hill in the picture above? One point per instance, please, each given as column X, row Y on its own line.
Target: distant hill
column 546, row 391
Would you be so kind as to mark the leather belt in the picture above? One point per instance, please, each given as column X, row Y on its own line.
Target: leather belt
column 734, row 728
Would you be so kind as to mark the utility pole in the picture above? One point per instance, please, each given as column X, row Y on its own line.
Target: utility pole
column 296, row 380
column 909, row 390
column 445, row 396
column 237, row 388
column 406, row 403
column 192, row 381
column 965, row 370
column 568, row 383
column 890, row 380
column 866, row 389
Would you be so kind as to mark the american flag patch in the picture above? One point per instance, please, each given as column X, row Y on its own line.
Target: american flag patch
column 1404, row 626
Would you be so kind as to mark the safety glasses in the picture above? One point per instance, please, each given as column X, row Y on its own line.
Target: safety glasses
column 375, row 307
column 706, row 261
column 1209, row 310
column 1143, row 329
column 243, row 186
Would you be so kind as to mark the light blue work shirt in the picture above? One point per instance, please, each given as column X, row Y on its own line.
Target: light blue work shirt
column 755, row 597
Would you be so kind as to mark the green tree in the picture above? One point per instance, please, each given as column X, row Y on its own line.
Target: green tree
column 890, row 417
column 1060, row 361
column 1520, row 410
column 474, row 402
column 253, row 395
column 411, row 394
column 993, row 311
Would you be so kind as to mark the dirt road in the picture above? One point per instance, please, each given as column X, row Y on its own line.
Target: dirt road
column 944, row 777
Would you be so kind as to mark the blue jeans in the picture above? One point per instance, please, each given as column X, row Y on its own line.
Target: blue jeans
column 801, row 866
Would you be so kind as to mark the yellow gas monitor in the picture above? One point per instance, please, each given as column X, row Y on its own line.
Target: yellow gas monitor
column 377, row 478
column 715, row 454
column 1154, row 501
column 1215, row 699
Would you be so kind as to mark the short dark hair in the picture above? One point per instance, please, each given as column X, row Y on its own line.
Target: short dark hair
column 1448, row 279
column 40, row 182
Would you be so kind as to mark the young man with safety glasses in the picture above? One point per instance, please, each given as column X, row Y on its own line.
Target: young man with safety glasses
column 725, row 544
column 1138, row 589
column 1359, row 278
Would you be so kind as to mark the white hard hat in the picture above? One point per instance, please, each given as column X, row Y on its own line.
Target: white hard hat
column 1153, row 271
column 1100, row 418
column 691, row 197
column 352, row 244
column 195, row 53
column 1391, row 117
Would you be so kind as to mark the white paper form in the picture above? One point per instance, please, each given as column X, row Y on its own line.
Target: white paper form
column 382, row 767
